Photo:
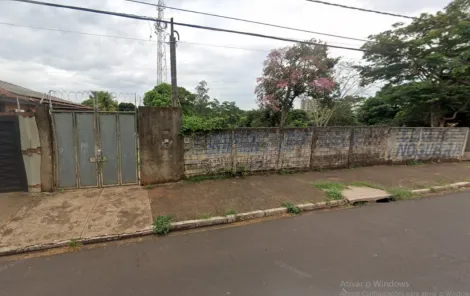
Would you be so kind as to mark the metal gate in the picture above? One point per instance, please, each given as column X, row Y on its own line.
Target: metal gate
column 12, row 170
column 95, row 149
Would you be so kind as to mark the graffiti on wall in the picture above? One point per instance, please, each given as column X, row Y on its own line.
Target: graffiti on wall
column 217, row 143
column 428, row 150
column 333, row 139
column 257, row 162
column 256, row 141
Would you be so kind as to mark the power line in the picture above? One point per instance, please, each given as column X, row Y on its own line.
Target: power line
column 146, row 18
column 250, row 21
column 130, row 38
column 360, row 9
column 75, row 32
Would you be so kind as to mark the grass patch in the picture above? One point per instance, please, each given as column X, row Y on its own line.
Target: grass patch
column 334, row 195
column 230, row 212
column 333, row 190
column 329, row 185
column 148, row 187
column 286, row 172
column 61, row 190
column 74, row 243
column 292, row 209
column 162, row 225
column 196, row 179
column 414, row 162
column 442, row 181
column 205, row 216
column 400, row 193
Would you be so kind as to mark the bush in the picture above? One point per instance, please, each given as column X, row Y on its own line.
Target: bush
column 162, row 225
column 292, row 209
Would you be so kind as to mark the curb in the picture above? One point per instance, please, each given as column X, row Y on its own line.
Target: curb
column 442, row 188
column 191, row 224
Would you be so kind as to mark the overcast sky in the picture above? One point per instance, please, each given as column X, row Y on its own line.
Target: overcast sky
column 47, row 60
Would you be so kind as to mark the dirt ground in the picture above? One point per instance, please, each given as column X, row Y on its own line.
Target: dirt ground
column 28, row 219
column 188, row 200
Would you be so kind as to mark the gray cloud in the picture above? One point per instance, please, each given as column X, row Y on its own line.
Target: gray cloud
column 44, row 60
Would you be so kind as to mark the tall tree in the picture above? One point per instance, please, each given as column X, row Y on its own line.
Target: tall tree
column 425, row 65
column 160, row 96
column 103, row 99
column 294, row 71
column 202, row 104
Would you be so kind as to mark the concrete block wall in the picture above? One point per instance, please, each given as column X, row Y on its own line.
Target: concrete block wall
column 208, row 153
column 369, row 145
column 427, row 143
column 296, row 148
column 330, row 148
column 268, row 149
column 256, row 149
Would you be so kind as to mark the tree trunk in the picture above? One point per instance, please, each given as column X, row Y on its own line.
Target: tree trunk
column 283, row 118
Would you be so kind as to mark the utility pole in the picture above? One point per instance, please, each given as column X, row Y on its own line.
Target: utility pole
column 174, row 83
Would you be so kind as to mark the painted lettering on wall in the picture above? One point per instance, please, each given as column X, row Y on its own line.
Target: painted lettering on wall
column 256, row 162
column 428, row 150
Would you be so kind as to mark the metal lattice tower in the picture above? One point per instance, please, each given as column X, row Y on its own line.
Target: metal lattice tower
column 161, row 52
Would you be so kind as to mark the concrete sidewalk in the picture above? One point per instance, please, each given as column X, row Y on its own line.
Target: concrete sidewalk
column 27, row 220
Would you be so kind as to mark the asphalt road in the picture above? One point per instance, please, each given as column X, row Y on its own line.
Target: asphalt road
column 414, row 246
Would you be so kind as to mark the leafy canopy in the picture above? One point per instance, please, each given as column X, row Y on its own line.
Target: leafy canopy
column 425, row 65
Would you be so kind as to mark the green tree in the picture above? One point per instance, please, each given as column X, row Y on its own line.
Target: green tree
column 103, row 100
column 202, row 103
column 126, row 107
column 161, row 96
column 425, row 65
column 377, row 111
column 297, row 118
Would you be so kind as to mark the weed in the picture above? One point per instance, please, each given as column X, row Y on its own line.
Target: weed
column 196, row 179
column 230, row 212
column 205, row 216
column 286, row 172
column 321, row 170
column 148, row 187
column 433, row 190
column 74, row 243
column 292, row 209
column 162, row 225
column 355, row 166
column 441, row 181
column 334, row 194
column 400, row 193
column 414, row 162
column 61, row 190
column 327, row 186
column 333, row 190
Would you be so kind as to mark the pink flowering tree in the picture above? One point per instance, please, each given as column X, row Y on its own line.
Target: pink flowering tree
column 290, row 72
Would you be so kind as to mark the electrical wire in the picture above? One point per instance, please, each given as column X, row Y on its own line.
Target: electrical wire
column 361, row 9
column 146, row 18
column 249, row 21
column 129, row 38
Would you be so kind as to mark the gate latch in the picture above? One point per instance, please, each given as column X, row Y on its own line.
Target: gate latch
column 98, row 157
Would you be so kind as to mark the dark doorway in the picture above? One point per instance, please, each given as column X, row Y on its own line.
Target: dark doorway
column 12, row 170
